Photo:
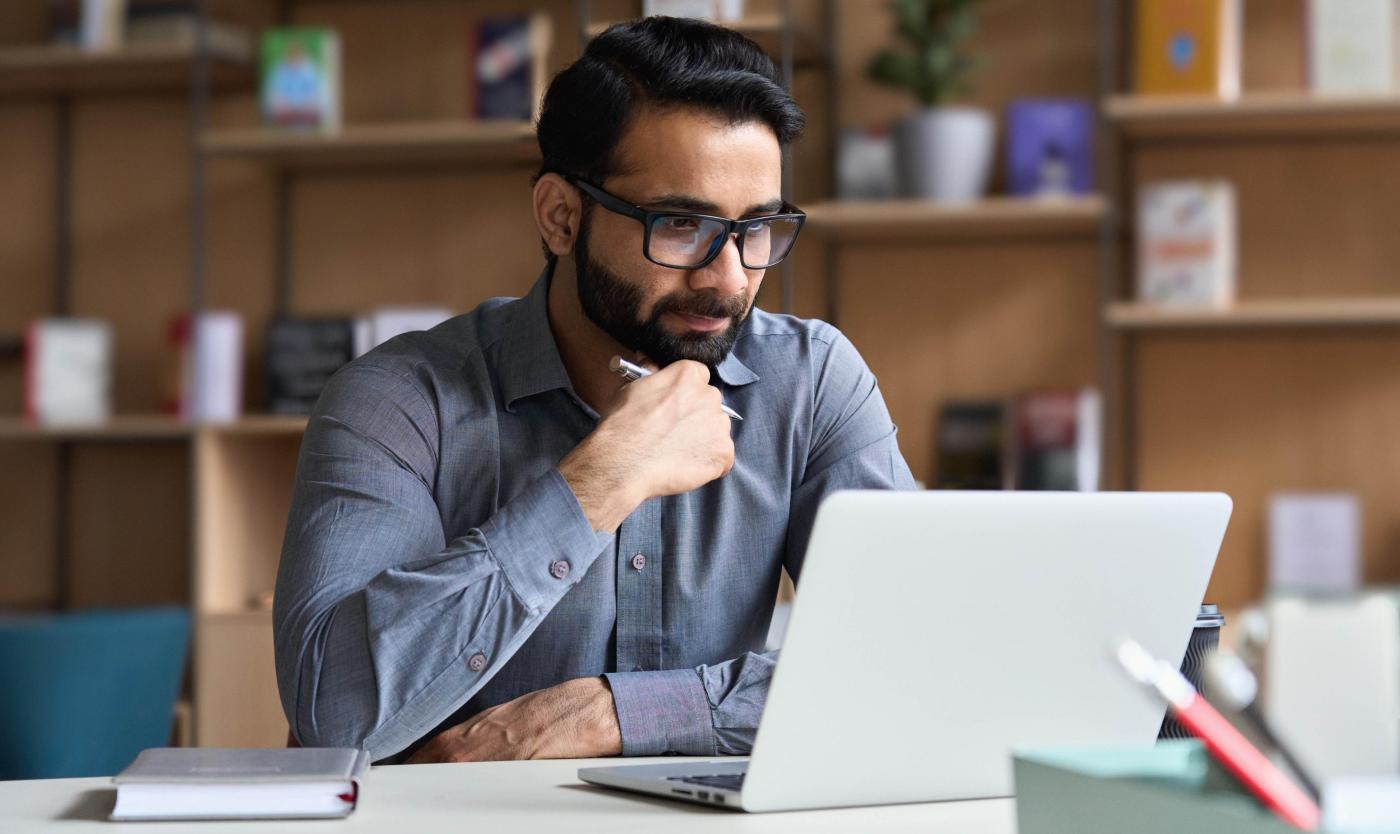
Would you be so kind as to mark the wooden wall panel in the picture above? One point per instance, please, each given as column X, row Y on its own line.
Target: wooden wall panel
column 28, row 495
column 129, row 524
column 1250, row 414
column 131, row 227
column 1316, row 216
column 968, row 321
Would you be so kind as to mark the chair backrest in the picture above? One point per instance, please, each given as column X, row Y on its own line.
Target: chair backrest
column 82, row 693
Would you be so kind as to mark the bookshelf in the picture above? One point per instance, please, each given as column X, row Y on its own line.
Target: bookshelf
column 765, row 29
column 51, row 70
column 133, row 428
column 387, row 145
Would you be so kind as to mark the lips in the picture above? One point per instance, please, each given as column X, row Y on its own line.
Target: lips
column 704, row 324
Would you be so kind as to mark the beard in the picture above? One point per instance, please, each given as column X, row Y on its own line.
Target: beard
column 615, row 306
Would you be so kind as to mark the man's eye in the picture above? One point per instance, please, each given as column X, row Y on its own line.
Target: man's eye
column 758, row 230
column 681, row 224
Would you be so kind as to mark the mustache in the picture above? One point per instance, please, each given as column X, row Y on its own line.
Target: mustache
column 734, row 307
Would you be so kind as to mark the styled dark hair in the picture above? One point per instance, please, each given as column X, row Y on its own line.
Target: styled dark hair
column 658, row 62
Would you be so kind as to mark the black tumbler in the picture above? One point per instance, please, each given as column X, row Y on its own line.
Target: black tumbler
column 1205, row 639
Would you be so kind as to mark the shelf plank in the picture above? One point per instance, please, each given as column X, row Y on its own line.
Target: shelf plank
column 407, row 143
column 149, row 427
column 1279, row 313
column 764, row 29
column 1253, row 114
column 914, row 220
column 49, row 70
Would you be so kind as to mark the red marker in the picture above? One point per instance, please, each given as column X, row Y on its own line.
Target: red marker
column 1270, row 786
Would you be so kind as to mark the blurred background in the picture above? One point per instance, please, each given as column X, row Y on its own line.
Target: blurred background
column 1083, row 244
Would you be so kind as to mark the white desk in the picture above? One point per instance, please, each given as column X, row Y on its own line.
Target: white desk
column 523, row 797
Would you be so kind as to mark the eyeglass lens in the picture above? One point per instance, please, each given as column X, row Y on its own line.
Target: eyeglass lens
column 684, row 241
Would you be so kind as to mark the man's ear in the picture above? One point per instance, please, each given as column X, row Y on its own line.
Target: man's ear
column 558, row 212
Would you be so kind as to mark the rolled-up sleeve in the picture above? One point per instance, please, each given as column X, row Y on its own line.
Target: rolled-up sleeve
column 382, row 627
column 715, row 709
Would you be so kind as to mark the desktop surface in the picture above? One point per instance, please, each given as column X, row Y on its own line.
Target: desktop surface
column 525, row 797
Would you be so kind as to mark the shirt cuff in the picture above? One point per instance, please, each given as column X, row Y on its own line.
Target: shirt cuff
column 543, row 541
column 662, row 712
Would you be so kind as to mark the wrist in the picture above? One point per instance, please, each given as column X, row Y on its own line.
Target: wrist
column 601, row 482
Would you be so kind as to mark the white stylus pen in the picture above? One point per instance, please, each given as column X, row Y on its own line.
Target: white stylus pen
column 633, row 372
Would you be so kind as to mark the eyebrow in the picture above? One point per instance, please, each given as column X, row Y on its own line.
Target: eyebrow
column 685, row 202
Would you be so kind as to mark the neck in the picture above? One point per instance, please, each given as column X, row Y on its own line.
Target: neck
column 583, row 347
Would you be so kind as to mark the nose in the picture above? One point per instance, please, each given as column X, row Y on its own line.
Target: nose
column 725, row 276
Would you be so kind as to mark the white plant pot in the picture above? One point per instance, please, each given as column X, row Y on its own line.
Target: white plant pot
column 945, row 153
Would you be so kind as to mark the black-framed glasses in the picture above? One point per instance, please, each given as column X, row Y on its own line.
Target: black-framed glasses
column 686, row 240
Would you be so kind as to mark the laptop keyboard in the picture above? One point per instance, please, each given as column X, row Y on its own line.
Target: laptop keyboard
column 730, row 781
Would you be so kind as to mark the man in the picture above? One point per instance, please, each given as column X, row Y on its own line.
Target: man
column 497, row 549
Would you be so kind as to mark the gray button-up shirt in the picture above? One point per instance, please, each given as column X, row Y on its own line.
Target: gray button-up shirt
column 436, row 563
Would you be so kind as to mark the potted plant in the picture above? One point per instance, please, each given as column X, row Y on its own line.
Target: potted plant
column 944, row 152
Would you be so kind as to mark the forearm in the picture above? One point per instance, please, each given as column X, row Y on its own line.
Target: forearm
column 707, row 711
column 381, row 664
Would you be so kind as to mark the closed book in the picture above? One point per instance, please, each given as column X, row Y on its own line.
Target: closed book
column 1186, row 241
column 1351, row 46
column 193, row 783
column 1058, row 440
column 1050, row 147
column 300, row 81
column 208, row 353
column 509, row 68
column 302, row 355
column 68, row 371
column 973, row 446
column 1188, row 47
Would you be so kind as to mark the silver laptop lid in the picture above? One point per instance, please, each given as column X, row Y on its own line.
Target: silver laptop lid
column 936, row 631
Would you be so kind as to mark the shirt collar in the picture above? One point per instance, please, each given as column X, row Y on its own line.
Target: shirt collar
column 531, row 364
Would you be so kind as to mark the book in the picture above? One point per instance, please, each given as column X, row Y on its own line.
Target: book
column 1314, row 542
column 300, row 78
column 1050, row 147
column 1186, row 243
column 973, row 446
column 208, row 350
column 1351, row 46
column 302, row 355
column 510, row 70
column 387, row 322
column 68, row 371
column 1058, row 440
column 1186, row 47
column 192, row 783
column 176, row 24
column 101, row 26
column 702, row 9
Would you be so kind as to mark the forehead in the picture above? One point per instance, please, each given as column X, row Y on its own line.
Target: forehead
column 690, row 151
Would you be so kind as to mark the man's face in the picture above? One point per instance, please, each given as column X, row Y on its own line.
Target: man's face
column 683, row 160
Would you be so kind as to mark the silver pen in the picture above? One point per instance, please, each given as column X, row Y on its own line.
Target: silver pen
column 632, row 372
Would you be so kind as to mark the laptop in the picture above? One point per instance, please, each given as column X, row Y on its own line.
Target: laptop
column 935, row 632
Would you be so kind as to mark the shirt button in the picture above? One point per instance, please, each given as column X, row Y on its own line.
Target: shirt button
column 639, row 561
column 476, row 662
column 559, row 569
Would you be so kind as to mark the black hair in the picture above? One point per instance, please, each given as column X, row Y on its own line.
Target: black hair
column 662, row 62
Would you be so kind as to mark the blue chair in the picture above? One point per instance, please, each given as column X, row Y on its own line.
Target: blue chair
column 82, row 693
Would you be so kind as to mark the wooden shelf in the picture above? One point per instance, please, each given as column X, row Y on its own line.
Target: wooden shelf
column 915, row 220
column 150, row 427
column 1282, row 313
column 408, row 143
column 147, row 427
column 1255, row 114
column 48, row 70
column 764, row 29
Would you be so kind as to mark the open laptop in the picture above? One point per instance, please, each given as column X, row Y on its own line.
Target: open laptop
column 936, row 631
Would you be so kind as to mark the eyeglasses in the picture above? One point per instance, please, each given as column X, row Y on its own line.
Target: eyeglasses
column 685, row 240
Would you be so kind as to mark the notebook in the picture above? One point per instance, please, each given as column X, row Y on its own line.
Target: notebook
column 191, row 783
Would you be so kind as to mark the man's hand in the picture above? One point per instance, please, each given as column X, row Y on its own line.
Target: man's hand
column 574, row 720
column 665, row 435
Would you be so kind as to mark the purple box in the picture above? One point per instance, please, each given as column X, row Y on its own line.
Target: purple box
column 1050, row 147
